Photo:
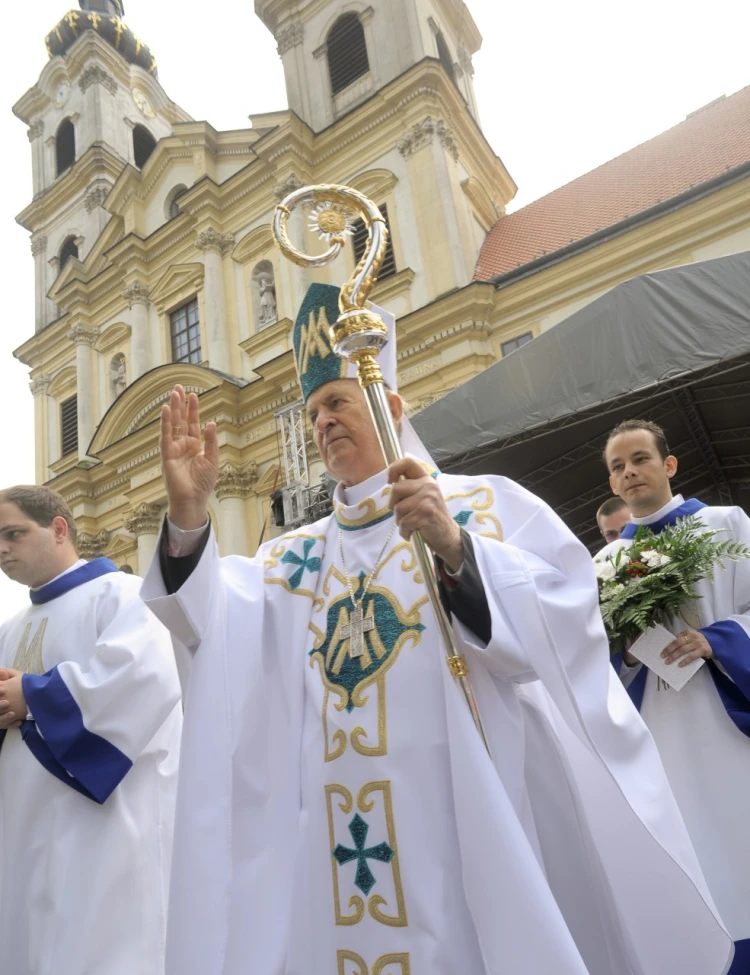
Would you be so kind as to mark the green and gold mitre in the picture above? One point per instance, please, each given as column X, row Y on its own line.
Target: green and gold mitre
column 316, row 361
column 314, row 357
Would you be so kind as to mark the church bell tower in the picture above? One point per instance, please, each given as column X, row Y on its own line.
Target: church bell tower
column 337, row 54
column 96, row 108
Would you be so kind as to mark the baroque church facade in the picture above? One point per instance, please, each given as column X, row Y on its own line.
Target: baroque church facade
column 155, row 262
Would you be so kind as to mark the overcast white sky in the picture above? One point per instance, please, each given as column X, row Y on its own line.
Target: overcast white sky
column 562, row 87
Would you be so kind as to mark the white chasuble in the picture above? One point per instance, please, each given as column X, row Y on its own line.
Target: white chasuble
column 698, row 732
column 88, row 787
column 338, row 814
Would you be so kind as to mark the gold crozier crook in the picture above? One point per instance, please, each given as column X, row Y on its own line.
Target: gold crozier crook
column 360, row 335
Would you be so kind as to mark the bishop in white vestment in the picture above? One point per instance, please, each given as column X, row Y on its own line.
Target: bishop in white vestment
column 703, row 731
column 338, row 813
column 88, row 772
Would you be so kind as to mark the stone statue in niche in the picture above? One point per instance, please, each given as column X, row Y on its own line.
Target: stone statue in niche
column 266, row 294
column 117, row 376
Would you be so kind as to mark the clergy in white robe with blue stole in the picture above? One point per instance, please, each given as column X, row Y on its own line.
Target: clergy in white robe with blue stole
column 88, row 780
column 338, row 813
column 703, row 731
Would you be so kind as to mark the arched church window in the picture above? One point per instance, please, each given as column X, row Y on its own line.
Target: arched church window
column 65, row 145
column 347, row 52
column 359, row 242
column 143, row 145
column 69, row 249
column 445, row 56
column 173, row 206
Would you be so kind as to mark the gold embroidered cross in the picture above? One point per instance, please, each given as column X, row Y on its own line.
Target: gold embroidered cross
column 94, row 19
column 355, row 631
column 72, row 18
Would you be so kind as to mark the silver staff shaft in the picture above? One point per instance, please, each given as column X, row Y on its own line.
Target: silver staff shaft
column 382, row 417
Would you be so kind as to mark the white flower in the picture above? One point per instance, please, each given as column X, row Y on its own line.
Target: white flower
column 610, row 591
column 654, row 559
column 605, row 571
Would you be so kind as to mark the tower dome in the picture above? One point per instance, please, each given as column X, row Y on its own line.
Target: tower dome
column 105, row 18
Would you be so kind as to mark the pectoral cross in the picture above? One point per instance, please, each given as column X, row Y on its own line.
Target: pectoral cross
column 355, row 631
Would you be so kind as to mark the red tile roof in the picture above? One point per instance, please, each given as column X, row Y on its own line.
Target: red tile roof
column 708, row 143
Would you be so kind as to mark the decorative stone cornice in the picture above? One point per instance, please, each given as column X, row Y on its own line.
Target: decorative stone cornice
column 82, row 335
column 422, row 134
column 38, row 245
column 136, row 294
column 95, row 197
column 92, row 546
column 96, row 75
column 289, row 37
column 144, row 519
column 212, row 240
column 40, row 384
column 236, row 482
column 35, row 131
column 289, row 185
column 464, row 59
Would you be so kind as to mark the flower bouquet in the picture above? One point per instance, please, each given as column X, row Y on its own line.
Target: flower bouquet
column 647, row 582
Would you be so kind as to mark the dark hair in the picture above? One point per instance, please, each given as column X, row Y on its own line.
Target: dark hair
column 41, row 504
column 626, row 426
column 610, row 507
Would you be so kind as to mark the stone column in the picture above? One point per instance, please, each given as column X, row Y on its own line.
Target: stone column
column 35, row 133
column 44, row 407
column 84, row 339
column 141, row 360
column 92, row 546
column 232, row 488
column 292, row 287
column 215, row 247
column 144, row 521
column 39, row 253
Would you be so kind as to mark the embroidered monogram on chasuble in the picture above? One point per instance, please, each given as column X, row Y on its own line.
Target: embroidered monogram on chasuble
column 349, row 666
column 385, row 965
column 28, row 658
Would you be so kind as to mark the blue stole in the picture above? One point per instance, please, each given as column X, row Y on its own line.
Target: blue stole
column 70, row 580
column 84, row 761
column 729, row 642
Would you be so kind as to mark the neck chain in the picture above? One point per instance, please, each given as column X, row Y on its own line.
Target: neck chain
column 358, row 626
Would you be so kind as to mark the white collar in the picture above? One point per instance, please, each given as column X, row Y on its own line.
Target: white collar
column 673, row 503
column 365, row 489
column 70, row 568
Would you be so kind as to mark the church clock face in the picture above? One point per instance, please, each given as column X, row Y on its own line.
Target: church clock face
column 143, row 103
column 61, row 94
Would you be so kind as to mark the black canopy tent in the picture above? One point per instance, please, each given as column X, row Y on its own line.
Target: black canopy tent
column 673, row 346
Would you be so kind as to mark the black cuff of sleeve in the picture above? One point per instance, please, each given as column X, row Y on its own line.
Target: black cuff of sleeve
column 465, row 597
column 177, row 569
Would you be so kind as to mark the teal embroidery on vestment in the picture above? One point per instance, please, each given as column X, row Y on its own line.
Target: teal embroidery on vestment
column 355, row 528
column 305, row 563
column 462, row 518
column 341, row 669
column 364, row 878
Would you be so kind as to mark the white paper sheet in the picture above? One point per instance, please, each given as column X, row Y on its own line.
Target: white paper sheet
column 648, row 648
